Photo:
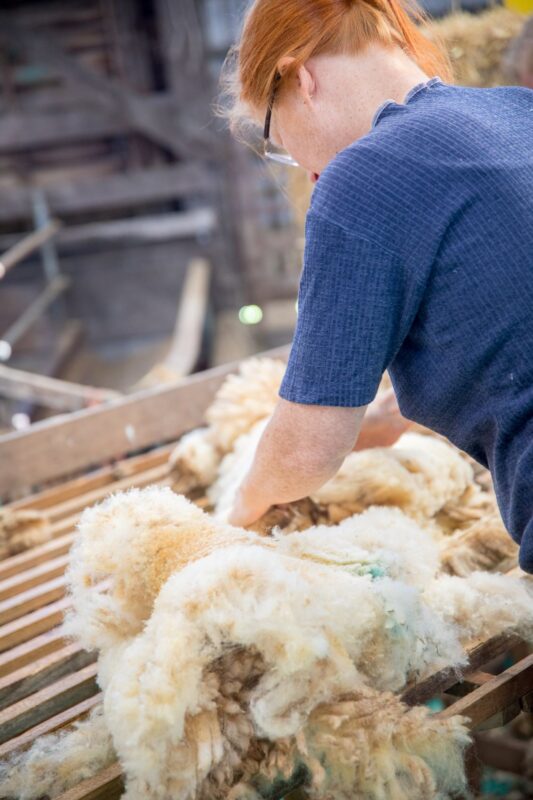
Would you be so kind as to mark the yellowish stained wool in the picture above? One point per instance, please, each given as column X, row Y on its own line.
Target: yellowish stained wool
column 22, row 529
column 485, row 545
column 229, row 661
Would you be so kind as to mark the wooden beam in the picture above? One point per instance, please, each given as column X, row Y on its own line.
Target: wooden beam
column 62, row 446
column 131, row 108
column 113, row 192
column 26, row 246
column 50, row 392
column 495, row 695
column 186, row 342
column 32, row 130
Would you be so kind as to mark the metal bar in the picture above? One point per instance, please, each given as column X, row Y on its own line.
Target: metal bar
column 54, row 289
column 27, row 246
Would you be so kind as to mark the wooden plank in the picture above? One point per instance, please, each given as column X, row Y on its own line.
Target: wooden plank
column 495, row 695
column 43, row 390
column 187, row 340
column 22, row 581
column 61, row 446
column 40, row 673
column 104, row 476
column 26, row 653
column 112, row 192
column 24, row 247
column 107, row 785
column 478, row 654
column 48, row 726
column 35, row 598
column 169, row 130
column 73, row 507
column 40, row 621
column 51, row 700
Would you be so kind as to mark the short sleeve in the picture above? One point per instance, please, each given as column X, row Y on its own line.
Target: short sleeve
column 356, row 304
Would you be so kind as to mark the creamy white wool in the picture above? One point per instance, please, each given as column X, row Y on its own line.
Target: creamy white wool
column 196, row 458
column 233, row 469
column 419, row 474
column 244, row 399
column 216, row 643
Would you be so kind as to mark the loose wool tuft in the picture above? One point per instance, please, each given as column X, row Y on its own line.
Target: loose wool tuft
column 234, row 665
column 22, row 529
column 244, row 399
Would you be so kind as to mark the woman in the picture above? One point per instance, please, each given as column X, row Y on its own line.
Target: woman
column 419, row 247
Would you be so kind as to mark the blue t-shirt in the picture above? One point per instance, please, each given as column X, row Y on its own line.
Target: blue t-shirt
column 419, row 259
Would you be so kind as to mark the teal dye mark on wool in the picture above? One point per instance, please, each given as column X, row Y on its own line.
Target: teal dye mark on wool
column 435, row 705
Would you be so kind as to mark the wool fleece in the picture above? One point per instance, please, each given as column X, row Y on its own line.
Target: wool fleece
column 235, row 665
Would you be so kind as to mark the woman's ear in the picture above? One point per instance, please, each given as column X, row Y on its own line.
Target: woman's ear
column 306, row 83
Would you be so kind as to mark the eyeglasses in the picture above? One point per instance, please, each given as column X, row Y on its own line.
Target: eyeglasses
column 269, row 151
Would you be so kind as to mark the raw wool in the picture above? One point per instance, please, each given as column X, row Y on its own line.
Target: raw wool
column 22, row 529
column 477, row 44
column 282, row 654
column 59, row 760
column 419, row 474
column 345, row 755
column 194, row 462
column 114, row 584
column 485, row 545
column 483, row 604
column 244, row 399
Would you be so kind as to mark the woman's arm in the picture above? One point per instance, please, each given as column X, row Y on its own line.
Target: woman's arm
column 302, row 447
column 383, row 423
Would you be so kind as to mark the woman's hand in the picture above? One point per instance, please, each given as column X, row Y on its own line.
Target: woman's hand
column 246, row 510
column 383, row 423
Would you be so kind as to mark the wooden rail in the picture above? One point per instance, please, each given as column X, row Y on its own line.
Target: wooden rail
column 60, row 447
column 33, row 241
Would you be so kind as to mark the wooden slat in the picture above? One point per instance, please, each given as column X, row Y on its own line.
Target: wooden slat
column 104, row 476
column 40, row 621
column 478, row 654
column 495, row 695
column 43, row 671
column 28, row 579
column 48, row 726
column 112, row 192
column 51, row 700
column 107, row 785
column 76, row 504
column 35, row 598
column 48, row 552
column 28, row 652
column 57, row 447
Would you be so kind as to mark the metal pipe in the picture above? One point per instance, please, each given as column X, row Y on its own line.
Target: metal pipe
column 26, row 246
column 31, row 315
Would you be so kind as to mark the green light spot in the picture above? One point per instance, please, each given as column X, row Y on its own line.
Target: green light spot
column 250, row 315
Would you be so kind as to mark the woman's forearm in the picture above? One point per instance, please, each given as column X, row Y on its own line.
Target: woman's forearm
column 301, row 448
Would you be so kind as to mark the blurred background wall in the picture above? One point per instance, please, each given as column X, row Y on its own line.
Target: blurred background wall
column 139, row 241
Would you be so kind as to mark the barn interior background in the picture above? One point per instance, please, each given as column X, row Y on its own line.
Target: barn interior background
column 138, row 241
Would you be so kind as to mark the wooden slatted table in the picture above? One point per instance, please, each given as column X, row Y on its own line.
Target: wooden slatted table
column 47, row 682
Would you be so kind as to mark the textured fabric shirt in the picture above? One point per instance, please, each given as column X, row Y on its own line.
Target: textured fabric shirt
column 419, row 259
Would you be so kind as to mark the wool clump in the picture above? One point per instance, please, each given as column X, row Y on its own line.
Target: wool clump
column 21, row 529
column 237, row 665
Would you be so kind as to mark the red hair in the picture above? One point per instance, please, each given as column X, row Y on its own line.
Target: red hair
column 304, row 28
